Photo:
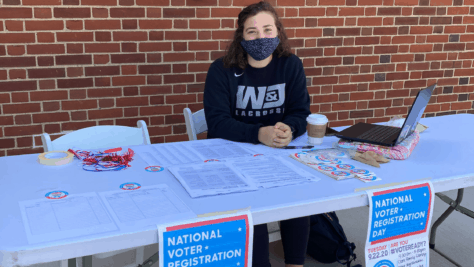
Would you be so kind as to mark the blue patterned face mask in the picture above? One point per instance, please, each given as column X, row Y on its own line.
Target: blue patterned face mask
column 261, row 48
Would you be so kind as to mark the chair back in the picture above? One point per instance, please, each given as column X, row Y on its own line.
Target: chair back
column 195, row 123
column 99, row 137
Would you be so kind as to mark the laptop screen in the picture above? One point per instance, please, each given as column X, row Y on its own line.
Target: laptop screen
column 415, row 113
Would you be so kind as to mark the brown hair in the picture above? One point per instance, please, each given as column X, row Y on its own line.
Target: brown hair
column 236, row 55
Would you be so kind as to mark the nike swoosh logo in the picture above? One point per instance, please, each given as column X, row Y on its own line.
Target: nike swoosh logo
column 238, row 75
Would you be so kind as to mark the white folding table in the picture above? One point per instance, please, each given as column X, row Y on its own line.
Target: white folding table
column 443, row 154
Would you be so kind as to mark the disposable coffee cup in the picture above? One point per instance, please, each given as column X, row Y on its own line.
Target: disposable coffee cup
column 316, row 128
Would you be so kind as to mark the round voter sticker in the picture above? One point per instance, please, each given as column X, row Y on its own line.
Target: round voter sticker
column 360, row 171
column 256, row 155
column 130, row 186
column 56, row 195
column 211, row 160
column 154, row 169
column 345, row 166
column 326, row 168
column 367, row 177
column 384, row 263
column 341, row 173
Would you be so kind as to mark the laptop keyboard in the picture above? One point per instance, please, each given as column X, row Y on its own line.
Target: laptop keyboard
column 378, row 134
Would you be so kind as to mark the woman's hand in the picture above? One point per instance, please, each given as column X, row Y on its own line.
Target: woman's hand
column 266, row 135
column 283, row 135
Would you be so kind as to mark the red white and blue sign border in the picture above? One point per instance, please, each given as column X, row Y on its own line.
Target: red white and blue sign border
column 427, row 217
column 207, row 221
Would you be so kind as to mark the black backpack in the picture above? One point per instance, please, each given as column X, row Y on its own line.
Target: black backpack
column 327, row 241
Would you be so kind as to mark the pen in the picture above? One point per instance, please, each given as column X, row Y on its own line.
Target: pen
column 298, row 147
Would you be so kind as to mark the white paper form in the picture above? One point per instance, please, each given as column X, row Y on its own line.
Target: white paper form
column 266, row 150
column 148, row 205
column 166, row 155
column 219, row 149
column 208, row 179
column 54, row 219
column 270, row 171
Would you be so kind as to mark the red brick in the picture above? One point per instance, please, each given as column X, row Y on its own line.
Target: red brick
column 41, row 2
column 102, row 48
column 72, row 12
column 21, row 108
column 130, row 36
column 153, row 2
column 74, row 60
column 128, row 12
column 309, row 33
column 75, row 36
column 44, row 25
column 328, row 61
column 45, row 73
column 154, row 69
column 18, row 86
column 23, row 130
column 11, row 25
column 179, row 12
column 128, row 58
column 50, row 117
column 441, row 2
column 75, row 72
column 15, row 13
column 79, row 104
column 128, row 80
column 175, row 99
column 132, row 101
column 454, row 47
column 397, row 76
column 75, row 83
column 104, row 92
column 102, row 24
column 105, row 113
column 6, row 120
column 148, row 47
column 156, row 24
column 8, row 62
column 102, row 71
column 46, row 49
column 99, row 2
column 173, row 57
column 17, row 38
column 43, row 13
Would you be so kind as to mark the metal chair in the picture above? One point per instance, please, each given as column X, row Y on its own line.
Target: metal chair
column 96, row 137
column 196, row 124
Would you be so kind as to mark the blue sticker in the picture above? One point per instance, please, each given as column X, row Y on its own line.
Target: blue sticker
column 56, row 194
column 154, row 169
column 130, row 186
column 326, row 168
column 360, row 171
column 345, row 166
column 341, row 173
column 211, row 160
column 384, row 263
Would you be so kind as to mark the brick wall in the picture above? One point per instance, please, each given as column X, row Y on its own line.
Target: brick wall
column 69, row 64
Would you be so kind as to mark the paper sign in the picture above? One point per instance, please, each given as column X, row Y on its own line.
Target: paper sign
column 399, row 222
column 218, row 241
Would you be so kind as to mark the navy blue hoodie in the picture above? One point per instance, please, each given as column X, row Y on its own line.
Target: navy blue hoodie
column 238, row 102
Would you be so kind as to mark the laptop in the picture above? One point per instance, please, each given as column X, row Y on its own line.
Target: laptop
column 388, row 135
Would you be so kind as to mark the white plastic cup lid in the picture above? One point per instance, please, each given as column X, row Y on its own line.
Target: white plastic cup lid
column 317, row 119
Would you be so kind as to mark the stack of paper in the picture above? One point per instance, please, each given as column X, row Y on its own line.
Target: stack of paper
column 213, row 178
column 267, row 172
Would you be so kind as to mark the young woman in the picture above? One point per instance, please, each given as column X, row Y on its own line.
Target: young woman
column 257, row 93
